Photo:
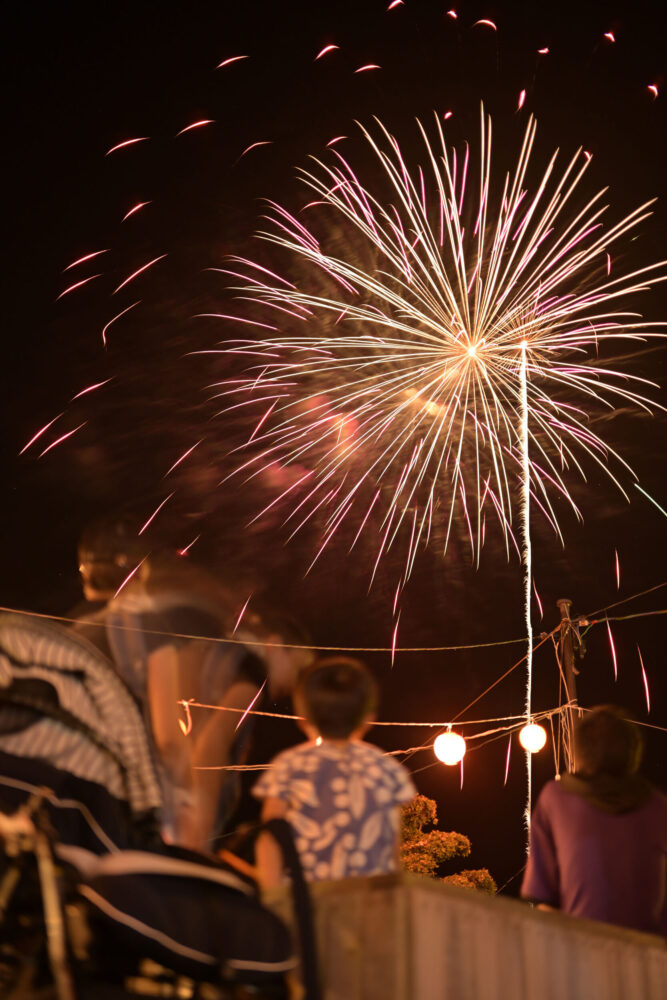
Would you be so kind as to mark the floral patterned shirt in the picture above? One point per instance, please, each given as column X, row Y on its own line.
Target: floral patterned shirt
column 341, row 804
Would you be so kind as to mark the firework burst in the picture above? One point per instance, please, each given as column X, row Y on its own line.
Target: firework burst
column 415, row 386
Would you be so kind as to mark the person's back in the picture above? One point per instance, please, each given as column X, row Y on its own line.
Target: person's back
column 340, row 795
column 599, row 837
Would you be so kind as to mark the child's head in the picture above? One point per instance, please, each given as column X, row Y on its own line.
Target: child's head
column 336, row 696
column 607, row 742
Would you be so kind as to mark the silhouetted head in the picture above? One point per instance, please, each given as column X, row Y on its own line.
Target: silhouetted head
column 336, row 696
column 109, row 549
column 607, row 742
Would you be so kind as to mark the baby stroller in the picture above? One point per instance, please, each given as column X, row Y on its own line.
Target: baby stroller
column 93, row 904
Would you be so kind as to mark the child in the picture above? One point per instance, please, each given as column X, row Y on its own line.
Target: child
column 340, row 795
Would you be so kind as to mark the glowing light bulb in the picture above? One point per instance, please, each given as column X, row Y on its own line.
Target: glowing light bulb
column 449, row 748
column 532, row 737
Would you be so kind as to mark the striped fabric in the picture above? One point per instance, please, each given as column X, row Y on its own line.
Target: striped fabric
column 118, row 756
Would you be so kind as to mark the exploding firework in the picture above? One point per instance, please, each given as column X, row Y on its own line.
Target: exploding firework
column 451, row 358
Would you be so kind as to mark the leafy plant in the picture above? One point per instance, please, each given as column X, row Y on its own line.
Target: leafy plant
column 424, row 851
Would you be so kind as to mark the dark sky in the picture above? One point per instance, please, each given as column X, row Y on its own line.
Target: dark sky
column 80, row 80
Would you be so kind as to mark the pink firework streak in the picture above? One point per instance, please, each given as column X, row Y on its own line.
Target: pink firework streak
column 135, row 209
column 155, row 513
column 251, row 705
column 618, row 569
column 130, row 576
column 112, row 321
column 485, row 21
column 255, row 145
column 39, row 433
column 394, row 639
column 78, row 284
column 184, row 551
column 126, row 144
column 182, row 458
column 645, row 680
column 140, row 270
column 230, row 61
column 367, row 67
column 537, row 598
column 82, row 260
column 241, row 614
column 64, row 437
column 198, row 124
column 507, row 758
column 91, row 388
column 325, row 50
column 613, row 650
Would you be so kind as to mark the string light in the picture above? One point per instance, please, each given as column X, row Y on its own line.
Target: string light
column 449, row 748
column 533, row 737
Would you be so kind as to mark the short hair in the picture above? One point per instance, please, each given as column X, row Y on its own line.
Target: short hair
column 607, row 741
column 336, row 695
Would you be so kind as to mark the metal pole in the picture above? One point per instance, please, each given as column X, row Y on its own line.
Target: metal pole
column 570, row 671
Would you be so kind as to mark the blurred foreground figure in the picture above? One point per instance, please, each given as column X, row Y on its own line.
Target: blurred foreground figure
column 598, row 842
column 169, row 635
column 109, row 550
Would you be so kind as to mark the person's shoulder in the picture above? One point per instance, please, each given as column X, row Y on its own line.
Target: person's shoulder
column 553, row 791
column 658, row 801
column 368, row 751
column 374, row 756
column 293, row 756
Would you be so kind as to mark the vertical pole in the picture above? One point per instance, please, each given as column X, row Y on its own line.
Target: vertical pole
column 527, row 570
column 567, row 660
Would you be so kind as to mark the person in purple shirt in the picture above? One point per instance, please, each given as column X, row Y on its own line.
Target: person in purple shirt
column 598, row 839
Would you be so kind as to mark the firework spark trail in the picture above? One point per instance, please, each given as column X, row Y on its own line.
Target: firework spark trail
column 112, row 321
column 182, row 458
column 251, row 705
column 90, row 388
column 83, row 260
column 426, row 348
column 63, row 437
column 612, row 648
column 507, row 758
column 155, row 513
column 125, row 144
column 644, row 680
column 39, row 433
column 77, row 284
column 139, row 270
column 135, row 209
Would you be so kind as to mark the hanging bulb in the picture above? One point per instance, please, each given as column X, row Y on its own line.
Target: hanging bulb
column 449, row 748
column 533, row 737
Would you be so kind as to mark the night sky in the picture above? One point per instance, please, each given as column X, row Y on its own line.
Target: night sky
column 78, row 81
